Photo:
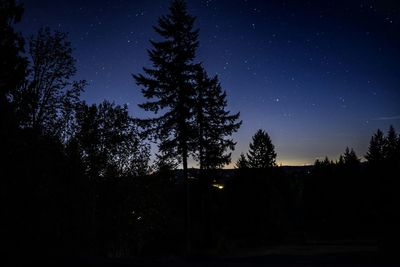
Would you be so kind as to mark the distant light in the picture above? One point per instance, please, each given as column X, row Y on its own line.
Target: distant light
column 218, row 186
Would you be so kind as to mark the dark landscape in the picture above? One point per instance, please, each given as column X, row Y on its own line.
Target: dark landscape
column 243, row 133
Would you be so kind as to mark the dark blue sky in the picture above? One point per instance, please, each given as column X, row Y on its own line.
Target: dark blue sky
column 316, row 75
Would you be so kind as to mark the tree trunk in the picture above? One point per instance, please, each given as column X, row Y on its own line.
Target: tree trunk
column 187, row 185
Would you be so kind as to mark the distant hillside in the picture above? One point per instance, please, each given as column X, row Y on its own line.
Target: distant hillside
column 229, row 173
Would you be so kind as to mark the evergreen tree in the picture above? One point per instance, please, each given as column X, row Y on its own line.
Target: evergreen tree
column 375, row 154
column 168, row 85
column 169, row 88
column 341, row 161
column 317, row 163
column 213, row 122
column 326, row 162
column 391, row 146
column 350, row 157
column 242, row 162
column 262, row 152
column 164, row 163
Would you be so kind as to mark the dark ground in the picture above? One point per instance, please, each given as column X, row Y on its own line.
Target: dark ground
column 340, row 253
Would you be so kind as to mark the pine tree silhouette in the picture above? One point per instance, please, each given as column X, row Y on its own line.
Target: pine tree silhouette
column 165, row 163
column 375, row 154
column 391, row 146
column 213, row 122
column 262, row 152
column 242, row 162
column 169, row 87
column 350, row 158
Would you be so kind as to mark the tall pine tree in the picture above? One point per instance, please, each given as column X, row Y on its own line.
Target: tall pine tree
column 169, row 84
column 213, row 122
column 169, row 88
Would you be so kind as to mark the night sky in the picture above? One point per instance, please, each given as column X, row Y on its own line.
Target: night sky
column 316, row 75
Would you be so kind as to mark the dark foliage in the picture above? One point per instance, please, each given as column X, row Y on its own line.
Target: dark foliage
column 262, row 152
column 375, row 155
column 57, row 154
column 213, row 122
column 383, row 164
column 109, row 141
column 242, row 162
column 47, row 99
column 165, row 163
column 12, row 61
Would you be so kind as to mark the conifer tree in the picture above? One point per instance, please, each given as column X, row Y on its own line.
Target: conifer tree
column 242, row 162
column 391, row 148
column 350, row 157
column 168, row 86
column 375, row 154
column 164, row 163
column 340, row 162
column 262, row 152
column 317, row 163
column 213, row 122
column 326, row 162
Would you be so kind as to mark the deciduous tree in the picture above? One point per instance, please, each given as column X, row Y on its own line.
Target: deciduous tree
column 49, row 96
column 110, row 142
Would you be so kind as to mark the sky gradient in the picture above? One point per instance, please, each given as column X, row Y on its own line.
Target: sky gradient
column 316, row 75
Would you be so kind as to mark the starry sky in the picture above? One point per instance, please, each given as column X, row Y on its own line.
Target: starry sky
column 316, row 75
